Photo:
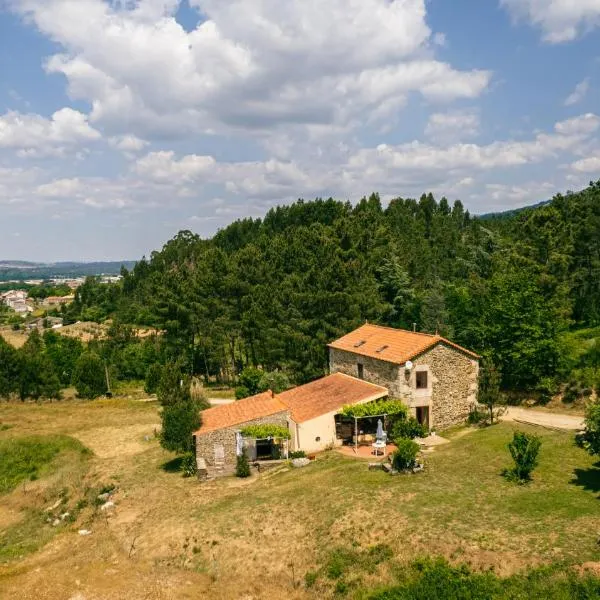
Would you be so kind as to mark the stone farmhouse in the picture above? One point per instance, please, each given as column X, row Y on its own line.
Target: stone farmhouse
column 434, row 377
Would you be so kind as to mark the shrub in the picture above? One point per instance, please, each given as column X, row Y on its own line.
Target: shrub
column 310, row 578
column 188, row 464
column 153, row 375
column 242, row 466
column 590, row 438
column 276, row 381
column 406, row 455
column 241, row 392
column 524, row 450
column 476, row 415
column 408, row 429
column 297, row 454
column 250, row 379
column 179, row 421
column 546, row 389
column 89, row 377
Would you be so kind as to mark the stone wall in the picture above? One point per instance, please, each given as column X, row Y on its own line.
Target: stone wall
column 452, row 378
column 454, row 385
column 375, row 371
column 205, row 444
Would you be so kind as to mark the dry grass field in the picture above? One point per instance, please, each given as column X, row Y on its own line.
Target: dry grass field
column 174, row 538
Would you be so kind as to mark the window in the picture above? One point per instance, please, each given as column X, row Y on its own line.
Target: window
column 421, row 380
column 361, row 370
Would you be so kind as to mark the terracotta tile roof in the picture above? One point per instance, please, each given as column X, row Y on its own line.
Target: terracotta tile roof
column 242, row 411
column 391, row 345
column 328, row 394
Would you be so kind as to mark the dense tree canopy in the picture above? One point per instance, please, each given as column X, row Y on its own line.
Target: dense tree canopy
column 272, row 293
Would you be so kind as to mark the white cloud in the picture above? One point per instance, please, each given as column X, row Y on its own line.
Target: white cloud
column 579, row 93
column 452, row 126
column 34, row 135
column 163, row 167
column 416, row 155
column 128, row 144
column 60, row 188
column 582, row 125
column 587, row 165
column 250, row 64
column 559, row 20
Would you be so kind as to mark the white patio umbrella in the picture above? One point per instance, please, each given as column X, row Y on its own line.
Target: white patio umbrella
column 379, row 435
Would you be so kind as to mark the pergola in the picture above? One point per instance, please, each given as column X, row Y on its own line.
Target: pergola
column 381, row 409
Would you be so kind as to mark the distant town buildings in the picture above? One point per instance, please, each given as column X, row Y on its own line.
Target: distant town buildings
column 17, row 301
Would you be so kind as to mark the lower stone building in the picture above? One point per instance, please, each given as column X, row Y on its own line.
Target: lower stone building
column 434, row 377
column 308, row 412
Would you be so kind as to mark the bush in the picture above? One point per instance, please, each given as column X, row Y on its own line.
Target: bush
column 153, row 376
column 188, row 464
column 250, row 379
column 524, row 450
column 179, row 421
column 547, row 388
column 429, row 578
column 241, row 392
column 405, row 456
column 242, row 466
column 297, row 454
column 408, row 429
column 476, row 415
column 590, row 438
column 89, row 377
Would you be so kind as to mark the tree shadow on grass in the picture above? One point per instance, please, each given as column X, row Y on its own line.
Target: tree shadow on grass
column 173, row 466
column 588, row 479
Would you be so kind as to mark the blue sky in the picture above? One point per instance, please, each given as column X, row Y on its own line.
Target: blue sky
column 124, row 121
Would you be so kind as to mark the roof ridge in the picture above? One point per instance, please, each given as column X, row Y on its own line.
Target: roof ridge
column 430, row 335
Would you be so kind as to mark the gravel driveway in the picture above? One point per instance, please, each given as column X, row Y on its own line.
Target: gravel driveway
column 545, row 419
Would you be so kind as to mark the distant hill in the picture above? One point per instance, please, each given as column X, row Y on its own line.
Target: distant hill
column 507, row 214
column 18, row 269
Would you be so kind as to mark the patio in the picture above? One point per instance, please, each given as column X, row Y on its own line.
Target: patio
column 366, row 452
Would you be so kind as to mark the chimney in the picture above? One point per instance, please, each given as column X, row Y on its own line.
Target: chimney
column 272, row 393
column 414, row 327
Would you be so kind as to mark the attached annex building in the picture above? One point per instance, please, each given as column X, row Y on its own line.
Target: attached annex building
column 434, row 377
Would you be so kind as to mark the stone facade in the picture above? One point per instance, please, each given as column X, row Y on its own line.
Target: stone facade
column 451, row 381
column 375, row 371
column 205, row 443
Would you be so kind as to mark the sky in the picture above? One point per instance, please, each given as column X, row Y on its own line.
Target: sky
column 125, row 121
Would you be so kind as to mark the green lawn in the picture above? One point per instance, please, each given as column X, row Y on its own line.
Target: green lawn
column 29, row 458
column 460, row 508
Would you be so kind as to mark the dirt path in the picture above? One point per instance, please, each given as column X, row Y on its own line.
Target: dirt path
column 550, row 420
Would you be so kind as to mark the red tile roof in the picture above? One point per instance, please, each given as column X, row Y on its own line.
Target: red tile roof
column 328, row 394
column 391, row 345
column 242, row 411
column 303, row 403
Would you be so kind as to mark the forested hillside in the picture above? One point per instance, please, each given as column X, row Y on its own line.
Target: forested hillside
column 274, row 292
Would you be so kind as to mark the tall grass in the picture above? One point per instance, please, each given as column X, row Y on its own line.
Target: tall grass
column 29, row 458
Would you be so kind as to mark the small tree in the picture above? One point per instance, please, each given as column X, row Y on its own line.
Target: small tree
column 405, row 456
column 489, row 386
column 153, row 376
column 407, row 429
column 524, row 450
column 276, row 381
column 89, row 376
column 173, row 386
column 179, row 421
column 590, row 438
column 9, row 369
column 250, row 379
column 37, row 377
column 242, row 466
